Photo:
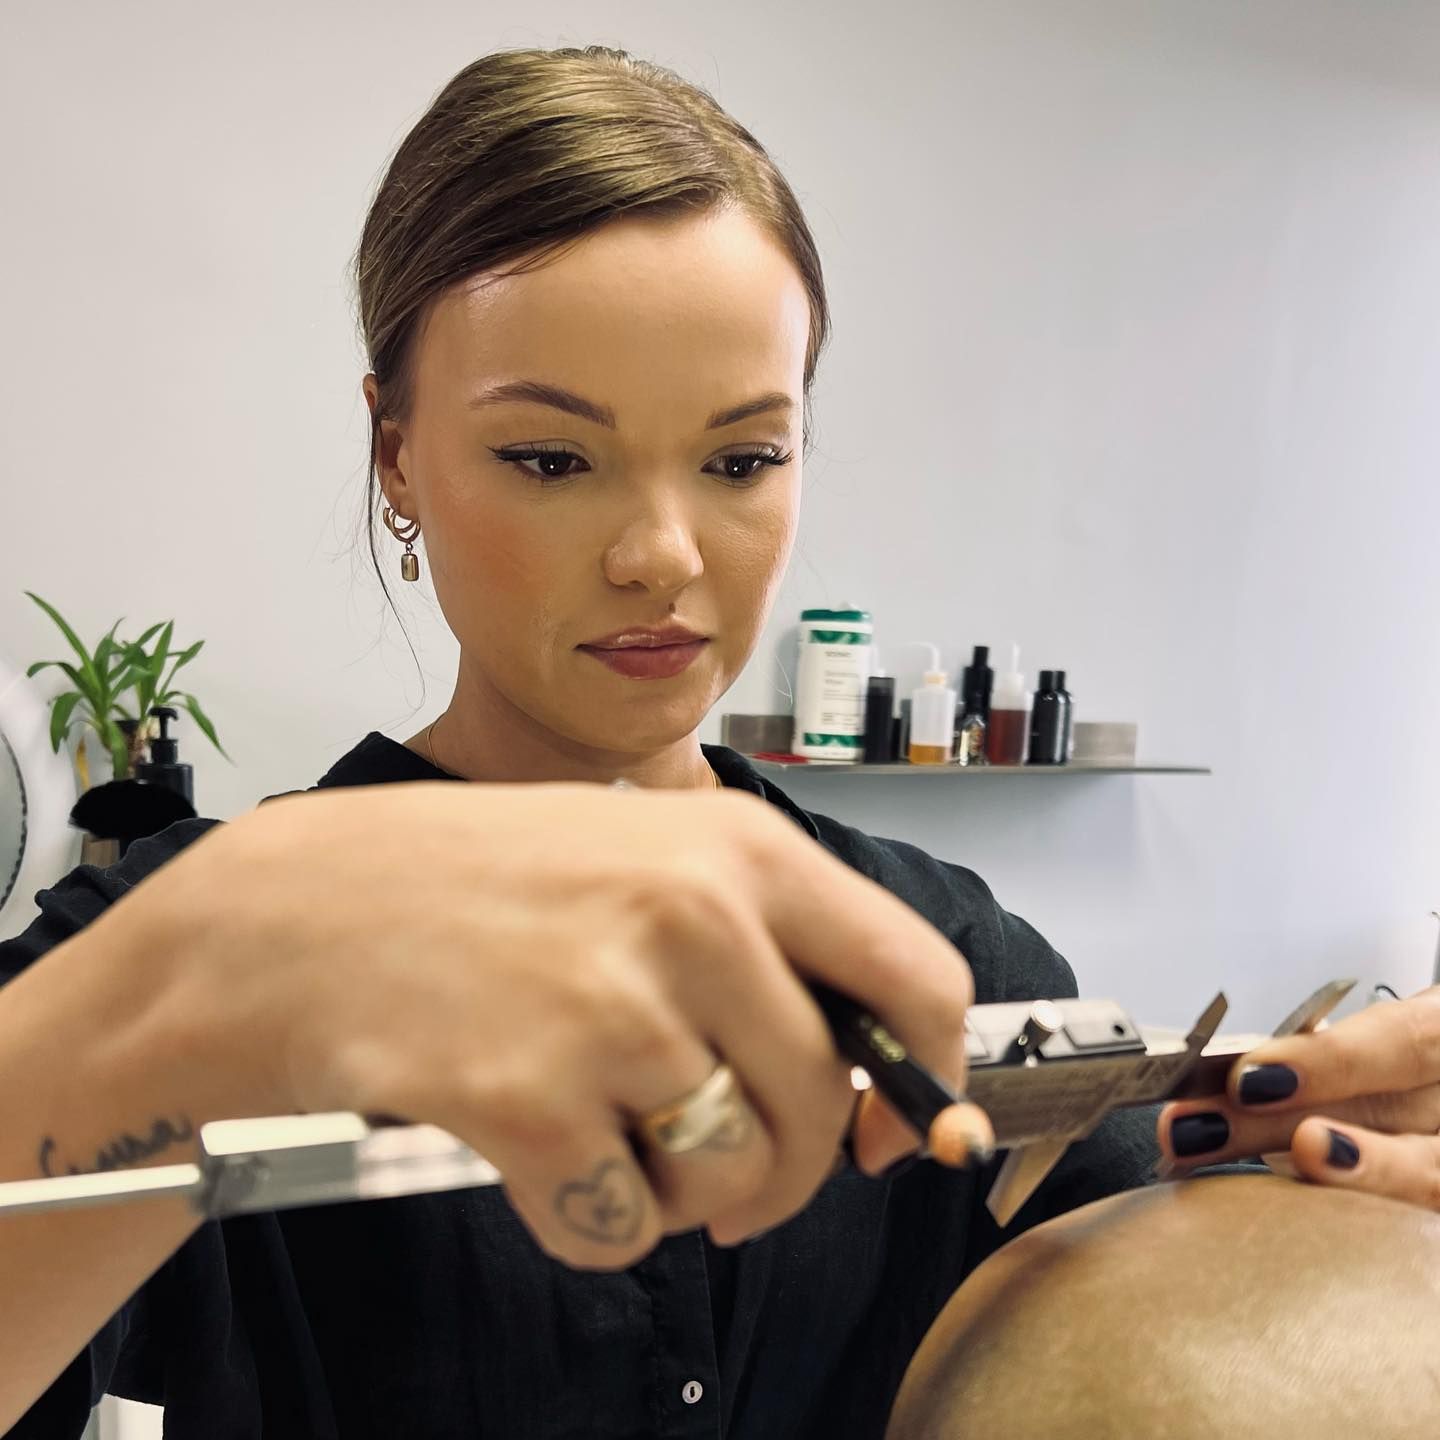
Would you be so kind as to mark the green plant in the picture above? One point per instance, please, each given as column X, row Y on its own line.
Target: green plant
column 101, row 679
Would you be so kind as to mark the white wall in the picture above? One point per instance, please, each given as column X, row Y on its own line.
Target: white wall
column 1136, row 355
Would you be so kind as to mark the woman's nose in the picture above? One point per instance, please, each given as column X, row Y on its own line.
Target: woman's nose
column 657, row 553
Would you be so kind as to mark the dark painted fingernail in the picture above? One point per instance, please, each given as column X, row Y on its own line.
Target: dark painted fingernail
column 1344, row 1152
column 1199, row 1134
column 1264, row 1084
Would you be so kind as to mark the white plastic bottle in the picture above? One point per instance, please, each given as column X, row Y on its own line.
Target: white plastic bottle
column 1009, row 727
column 932, row 715
column 830, row 683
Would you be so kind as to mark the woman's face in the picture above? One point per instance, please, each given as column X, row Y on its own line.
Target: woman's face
column 577, row 477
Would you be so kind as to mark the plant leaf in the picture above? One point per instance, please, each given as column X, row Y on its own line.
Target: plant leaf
column 78, row 680
column 155, row 667
column 154, row 629
column 184, row 658
column 104, row 650
column 162, row 645
column 122, row 682
column 60, row 713
column 119, row 752
column 86, row 665
column 203, row 721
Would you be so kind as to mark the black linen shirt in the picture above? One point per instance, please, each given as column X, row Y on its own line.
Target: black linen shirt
column 438, row 1316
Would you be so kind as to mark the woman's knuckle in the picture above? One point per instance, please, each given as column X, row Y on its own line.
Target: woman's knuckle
column 679, row 901
column 642, row 1030
column 1420, row 1019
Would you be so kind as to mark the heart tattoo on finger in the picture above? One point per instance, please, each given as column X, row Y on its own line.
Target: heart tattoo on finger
column 607, row 1207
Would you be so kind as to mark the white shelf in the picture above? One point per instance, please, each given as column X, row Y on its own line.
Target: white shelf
column 903, row 767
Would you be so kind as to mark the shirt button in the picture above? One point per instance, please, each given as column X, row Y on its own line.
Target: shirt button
column 692, row 1392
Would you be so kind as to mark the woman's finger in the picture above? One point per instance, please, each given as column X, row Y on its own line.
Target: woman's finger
column 1348, row 1157
column 838, row 926
column 1212, row 1132
column 1388, row 1047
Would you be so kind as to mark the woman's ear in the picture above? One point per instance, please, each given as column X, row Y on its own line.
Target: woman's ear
column 391, row 460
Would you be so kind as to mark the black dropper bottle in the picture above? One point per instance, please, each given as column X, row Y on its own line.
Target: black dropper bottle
column 977, row 684
column 164, row 766
column 1047, row 723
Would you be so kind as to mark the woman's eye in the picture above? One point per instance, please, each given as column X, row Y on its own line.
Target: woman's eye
column 552, row 465
column 746, row 467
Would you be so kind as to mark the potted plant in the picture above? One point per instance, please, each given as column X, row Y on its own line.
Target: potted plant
column 101, row 679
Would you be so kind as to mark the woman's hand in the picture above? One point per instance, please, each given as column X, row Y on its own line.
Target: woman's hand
column 1357, row 1105
column 536, row 967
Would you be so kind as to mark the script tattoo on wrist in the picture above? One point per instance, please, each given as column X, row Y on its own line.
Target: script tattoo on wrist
column 121, row 1151
column 607, row 1207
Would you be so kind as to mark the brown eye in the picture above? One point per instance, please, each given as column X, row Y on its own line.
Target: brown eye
column 747, row 467
column 742, row 467
column 553, row 465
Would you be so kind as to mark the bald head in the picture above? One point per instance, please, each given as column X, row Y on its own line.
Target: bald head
column 1236, row 1305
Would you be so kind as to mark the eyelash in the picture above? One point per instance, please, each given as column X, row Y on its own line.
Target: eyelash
column 515, row 455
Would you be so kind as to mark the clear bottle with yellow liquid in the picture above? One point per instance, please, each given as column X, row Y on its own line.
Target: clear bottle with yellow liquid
column 932, row 715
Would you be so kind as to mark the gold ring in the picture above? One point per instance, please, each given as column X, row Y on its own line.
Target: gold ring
column 715, row 1113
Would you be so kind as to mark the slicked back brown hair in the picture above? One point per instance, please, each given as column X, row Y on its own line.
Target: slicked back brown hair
column 527, row 150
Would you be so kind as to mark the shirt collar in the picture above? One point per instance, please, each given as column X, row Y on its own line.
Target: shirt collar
column 378, row 759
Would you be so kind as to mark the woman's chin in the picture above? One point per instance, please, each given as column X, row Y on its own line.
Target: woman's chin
column 640, row 729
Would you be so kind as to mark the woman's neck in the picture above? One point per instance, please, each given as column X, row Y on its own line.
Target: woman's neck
column 481, row 736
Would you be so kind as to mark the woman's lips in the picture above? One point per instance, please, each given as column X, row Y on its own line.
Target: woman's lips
column 647, row 662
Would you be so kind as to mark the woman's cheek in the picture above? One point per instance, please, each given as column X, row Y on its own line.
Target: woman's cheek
column 754, row 550
column 492, row 552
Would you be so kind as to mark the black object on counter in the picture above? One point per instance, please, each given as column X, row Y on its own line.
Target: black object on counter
column 164, row 766
column 128, row 810
column 1067, row 736
column 880, row 720
column 1047, row 723
column 902, row 728
column 976, row 684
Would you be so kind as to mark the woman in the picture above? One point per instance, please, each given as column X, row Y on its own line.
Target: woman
column 593, row 312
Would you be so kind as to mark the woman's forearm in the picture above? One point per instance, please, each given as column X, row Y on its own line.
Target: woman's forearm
column 99, row 1068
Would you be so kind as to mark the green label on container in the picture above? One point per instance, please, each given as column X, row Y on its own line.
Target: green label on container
column 835, row 742
column 836, row 637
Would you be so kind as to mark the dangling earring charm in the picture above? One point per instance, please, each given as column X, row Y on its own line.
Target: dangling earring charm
column 405, row 530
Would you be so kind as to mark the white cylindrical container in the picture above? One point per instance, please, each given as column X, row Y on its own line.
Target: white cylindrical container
column 831, row 676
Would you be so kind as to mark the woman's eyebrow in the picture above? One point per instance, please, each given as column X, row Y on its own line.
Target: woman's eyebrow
column 537, row 392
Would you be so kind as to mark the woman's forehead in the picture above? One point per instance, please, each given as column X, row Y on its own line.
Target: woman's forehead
column 685, row 304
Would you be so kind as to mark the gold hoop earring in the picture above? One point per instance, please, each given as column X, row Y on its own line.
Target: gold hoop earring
column 405, row 530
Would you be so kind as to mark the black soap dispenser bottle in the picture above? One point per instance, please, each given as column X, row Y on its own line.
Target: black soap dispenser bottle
column 164, row 766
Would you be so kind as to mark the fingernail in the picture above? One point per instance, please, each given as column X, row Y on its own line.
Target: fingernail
column 1344, row 1152
column 1199, row 1134
column 1264, row 1084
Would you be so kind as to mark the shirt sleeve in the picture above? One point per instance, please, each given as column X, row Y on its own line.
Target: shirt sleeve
column 117, row 1359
